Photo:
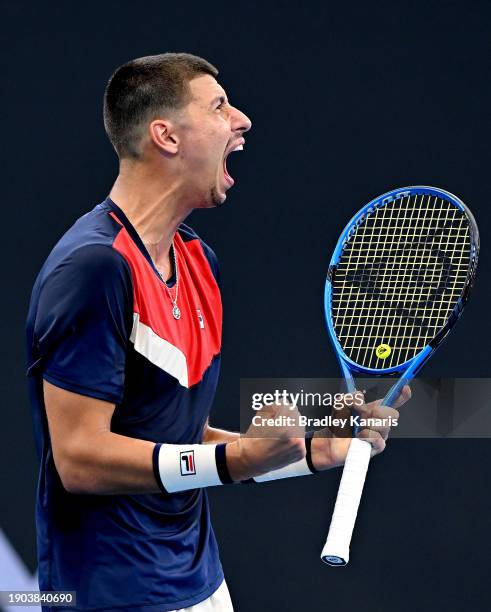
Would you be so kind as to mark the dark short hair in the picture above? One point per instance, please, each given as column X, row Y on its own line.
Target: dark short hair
column 144, row 88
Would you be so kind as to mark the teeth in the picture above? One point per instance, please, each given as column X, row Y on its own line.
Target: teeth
column 239, row 148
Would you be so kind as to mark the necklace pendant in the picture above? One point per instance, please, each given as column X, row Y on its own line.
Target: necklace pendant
column 176, row 313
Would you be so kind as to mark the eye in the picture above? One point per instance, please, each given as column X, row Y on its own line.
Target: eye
column 221, row 104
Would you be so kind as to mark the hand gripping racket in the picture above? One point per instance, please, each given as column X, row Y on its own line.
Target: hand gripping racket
column 397, row 283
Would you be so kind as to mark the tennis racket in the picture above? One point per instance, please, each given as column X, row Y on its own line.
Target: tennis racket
column 398, row 280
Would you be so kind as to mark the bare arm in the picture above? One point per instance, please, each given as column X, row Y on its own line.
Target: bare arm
column 89, row 457
column 92, row 459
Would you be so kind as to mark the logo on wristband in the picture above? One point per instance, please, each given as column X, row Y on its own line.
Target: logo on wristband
column 187, row 463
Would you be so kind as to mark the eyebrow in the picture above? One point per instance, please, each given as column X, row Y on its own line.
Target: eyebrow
column 221, row 98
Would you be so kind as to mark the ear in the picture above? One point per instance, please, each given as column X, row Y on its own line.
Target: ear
column 163, row 135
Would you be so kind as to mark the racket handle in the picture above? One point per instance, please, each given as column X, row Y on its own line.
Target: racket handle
column 336, row 548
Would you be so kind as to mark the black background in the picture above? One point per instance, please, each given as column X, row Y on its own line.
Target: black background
column 348, row 100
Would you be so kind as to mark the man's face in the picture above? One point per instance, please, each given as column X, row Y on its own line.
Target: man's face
column 210, row 129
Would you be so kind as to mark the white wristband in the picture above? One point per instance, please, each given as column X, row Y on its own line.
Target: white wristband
column 178, row 467
column 299, row 468
column 304, row 467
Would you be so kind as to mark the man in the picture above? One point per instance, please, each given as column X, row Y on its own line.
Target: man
column 124, row 338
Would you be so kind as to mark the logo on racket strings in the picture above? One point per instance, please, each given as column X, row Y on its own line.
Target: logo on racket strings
column 383, row 351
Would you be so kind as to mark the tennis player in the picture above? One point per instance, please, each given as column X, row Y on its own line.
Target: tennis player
column 124, row 341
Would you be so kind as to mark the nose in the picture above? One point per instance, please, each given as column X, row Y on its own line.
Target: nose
column 240, row 121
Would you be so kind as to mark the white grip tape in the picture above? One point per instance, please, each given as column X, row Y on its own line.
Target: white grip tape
column 187, row 466
column 336, row 548
column 299, row 468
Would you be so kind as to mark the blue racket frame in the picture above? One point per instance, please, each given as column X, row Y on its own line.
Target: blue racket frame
column 412, row 366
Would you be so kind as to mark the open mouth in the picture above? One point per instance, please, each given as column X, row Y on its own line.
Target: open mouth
column 237, row 147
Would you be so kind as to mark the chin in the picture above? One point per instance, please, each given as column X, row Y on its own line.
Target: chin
column 213, row 198
column 218, row 197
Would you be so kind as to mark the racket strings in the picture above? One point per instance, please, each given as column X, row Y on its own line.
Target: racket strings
column 400, row 275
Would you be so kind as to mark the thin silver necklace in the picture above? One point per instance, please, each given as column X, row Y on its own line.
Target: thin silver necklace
column 176, row 312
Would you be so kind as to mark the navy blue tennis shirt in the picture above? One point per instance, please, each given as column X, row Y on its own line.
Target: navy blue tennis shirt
column 100, row 324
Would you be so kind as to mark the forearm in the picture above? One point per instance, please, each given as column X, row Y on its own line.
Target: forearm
column 113, row 464
column 213, row 435
column 110, row 464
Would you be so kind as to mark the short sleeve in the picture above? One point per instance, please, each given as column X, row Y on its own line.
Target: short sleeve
column 83, row 323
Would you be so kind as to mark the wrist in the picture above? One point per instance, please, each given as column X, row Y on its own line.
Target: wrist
column 238, row 462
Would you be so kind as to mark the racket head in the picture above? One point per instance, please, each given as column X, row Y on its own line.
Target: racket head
column 399, row 277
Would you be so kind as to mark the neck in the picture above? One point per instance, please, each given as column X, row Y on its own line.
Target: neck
column 154, row 203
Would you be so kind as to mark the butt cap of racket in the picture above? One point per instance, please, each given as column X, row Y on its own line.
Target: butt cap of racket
column 338, row 559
